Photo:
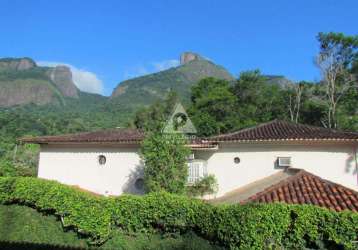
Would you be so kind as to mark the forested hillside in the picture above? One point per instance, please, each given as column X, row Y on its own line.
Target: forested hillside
column 141, row 91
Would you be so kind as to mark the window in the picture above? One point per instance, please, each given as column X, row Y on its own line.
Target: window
column 102, row 160
column 197, row 170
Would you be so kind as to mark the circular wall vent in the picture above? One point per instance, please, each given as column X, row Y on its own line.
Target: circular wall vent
column 237, row 160
column 102, row 160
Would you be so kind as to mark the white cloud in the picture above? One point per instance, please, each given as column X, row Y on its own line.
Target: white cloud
column 84, row 80
column 148, row 68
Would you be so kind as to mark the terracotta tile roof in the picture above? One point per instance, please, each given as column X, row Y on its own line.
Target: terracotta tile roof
column 104, row 136
column 271, row 131
column 120, row 135
column 306, row 188
column 283, row 130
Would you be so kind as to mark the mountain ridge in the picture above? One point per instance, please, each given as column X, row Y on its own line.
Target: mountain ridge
column 143, row 90
column 23, row 82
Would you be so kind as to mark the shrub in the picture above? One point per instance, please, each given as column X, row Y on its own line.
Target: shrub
column 252, row 226
column 165, row 157
column 206, row 185
column 84, row 212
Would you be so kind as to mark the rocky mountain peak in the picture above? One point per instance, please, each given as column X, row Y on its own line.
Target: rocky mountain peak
column 61, row 76
column 17, row 64
column 25, row 63
column 23, row 82
column 188, row 57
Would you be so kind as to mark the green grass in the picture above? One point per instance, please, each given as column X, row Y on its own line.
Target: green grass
column 24, row 224
column 189, row 241
column 20, row 223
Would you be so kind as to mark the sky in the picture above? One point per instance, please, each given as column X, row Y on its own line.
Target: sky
column 106, row 42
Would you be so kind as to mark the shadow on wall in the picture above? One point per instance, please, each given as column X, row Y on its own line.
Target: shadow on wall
column 351, row 162
column 135, row 181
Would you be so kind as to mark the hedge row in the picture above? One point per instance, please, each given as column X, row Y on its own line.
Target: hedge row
column 236, row 226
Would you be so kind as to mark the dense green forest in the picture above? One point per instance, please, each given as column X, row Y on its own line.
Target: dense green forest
column 216, row 106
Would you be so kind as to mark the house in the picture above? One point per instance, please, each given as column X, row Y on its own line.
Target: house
column 108, row 162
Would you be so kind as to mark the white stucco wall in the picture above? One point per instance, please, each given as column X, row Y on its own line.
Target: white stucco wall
column 333, row 162
column 79, row 166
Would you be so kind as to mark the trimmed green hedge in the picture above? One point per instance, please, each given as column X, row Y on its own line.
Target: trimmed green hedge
column 252, row 226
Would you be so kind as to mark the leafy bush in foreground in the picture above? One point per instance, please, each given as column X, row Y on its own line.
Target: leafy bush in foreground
column 251, row 226
column 22, row 227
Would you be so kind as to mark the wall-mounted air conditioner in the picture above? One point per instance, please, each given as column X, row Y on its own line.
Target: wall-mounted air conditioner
column 284, row 162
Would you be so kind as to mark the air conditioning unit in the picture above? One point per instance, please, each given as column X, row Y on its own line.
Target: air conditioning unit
column 284, row 162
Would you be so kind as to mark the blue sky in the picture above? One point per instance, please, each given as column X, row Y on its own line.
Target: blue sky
column 109, row 41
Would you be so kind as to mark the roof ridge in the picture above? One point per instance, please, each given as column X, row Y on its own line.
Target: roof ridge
column 283, row 129
column 316, row 127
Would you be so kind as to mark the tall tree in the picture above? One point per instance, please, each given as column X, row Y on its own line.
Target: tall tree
column 295, row 101
column 257, row 100
column 154, row 117
column 213, row 106
column 336, row 60
column 165, row 158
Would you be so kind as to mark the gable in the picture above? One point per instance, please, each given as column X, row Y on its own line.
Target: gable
column 179, row 122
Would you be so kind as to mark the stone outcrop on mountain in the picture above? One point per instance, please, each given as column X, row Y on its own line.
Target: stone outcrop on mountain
column 61, row 76
column 144, row 90
column 16, row 64
column 23, row 82
column 186, row 57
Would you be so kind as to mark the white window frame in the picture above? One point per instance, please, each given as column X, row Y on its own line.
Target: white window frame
column 197, row 169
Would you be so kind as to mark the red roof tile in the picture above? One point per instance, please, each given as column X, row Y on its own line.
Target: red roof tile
column 275, row 130
column 104, row 136
column 283, row 130
column 131, row 136
column 306, row 188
